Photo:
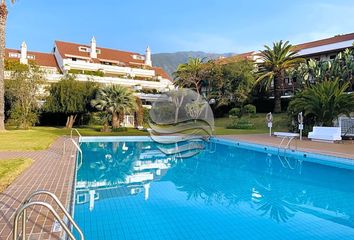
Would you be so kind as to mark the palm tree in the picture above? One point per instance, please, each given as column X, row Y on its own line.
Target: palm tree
column 275, row 62
column 189, row 75
column 3, row 18
column 324, row 102
column 115, row 100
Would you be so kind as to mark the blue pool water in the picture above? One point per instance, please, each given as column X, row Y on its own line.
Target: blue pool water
column 131, row 190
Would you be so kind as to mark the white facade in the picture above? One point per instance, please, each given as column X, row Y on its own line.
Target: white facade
column 89, row 58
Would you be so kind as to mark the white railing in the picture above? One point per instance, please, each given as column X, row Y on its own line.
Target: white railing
column 78, row 149
column 78, row 133
column 108, row 68
column 77, row 146
column 159, row 85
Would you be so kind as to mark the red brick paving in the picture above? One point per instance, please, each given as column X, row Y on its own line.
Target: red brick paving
column 52, row 171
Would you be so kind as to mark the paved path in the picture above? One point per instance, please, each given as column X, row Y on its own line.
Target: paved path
column 52, row 171
column 343, row 149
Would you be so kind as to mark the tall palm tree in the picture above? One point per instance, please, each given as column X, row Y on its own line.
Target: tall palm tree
column 189, row 75
column 3, row 18
column 275, row 62
column 115, row 100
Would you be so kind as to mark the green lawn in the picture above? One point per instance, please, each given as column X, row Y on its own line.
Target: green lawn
column 39, row 138
column 10, row 169
column 259, row 122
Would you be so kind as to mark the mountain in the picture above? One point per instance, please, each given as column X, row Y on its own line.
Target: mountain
column 170, row 61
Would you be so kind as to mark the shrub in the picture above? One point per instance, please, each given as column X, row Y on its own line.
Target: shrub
column 236, row 112
column 250, row 109
column 121, row 129
column 323, row 102
column 240, row 124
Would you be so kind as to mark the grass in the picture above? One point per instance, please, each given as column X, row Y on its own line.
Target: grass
column 39, row 138
column 258, row 121
column 10, row 169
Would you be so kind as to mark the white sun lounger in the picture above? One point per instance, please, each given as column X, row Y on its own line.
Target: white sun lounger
column 325, row 134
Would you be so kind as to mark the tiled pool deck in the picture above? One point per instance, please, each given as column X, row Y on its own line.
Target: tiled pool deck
column 344, row 149
column 52, row 171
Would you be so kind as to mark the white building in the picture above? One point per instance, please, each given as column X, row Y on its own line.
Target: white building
column 103, row 65
column 320, row 50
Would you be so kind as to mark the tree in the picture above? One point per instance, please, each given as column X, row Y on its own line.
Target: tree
column 139, row 113
column 190, row 74
column 323, row 102
column 115, row 100
column 275, row 63
column 3, row 18
column 23, row 90
column 341, row 67
column 236, row 83
column 70, row 97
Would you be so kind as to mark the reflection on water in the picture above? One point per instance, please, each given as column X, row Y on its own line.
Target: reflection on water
column 273, row 187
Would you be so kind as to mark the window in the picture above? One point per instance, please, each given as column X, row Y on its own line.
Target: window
column 83, row 49
column 333, row 56
column 288, row 81
column 74, row 59
column 107, row 63
column 138, row 57
column 14, row 55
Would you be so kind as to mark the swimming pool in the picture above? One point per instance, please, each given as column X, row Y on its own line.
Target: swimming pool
column 127, row 189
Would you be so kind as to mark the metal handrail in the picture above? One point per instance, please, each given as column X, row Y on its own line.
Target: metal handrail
column 43, row 204
column 288, row 145
column 77, row 131
column 57, row 201
column 77, row 147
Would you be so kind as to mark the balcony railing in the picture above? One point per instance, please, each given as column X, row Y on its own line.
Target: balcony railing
column 114, row 80
column 81, row 65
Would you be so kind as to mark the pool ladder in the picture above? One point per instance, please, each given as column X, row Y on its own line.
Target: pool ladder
column 21, row 212
column 77, row 145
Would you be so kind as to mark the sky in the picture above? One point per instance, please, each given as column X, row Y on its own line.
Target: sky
column 219, row 26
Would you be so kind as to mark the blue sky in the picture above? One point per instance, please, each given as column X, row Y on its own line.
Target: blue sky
column 169, row 26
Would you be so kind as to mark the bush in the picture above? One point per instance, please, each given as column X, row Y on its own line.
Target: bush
column 236, row 112
column 250, row 109
column 240, row 124
column 121, row 129
column 146, row 115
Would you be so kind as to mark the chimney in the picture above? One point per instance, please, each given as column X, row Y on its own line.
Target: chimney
column 148, row 57
column 93, row 53
column 23, row 57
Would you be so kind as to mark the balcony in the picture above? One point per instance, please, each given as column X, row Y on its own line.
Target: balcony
column 81, row 65
column 159, row 85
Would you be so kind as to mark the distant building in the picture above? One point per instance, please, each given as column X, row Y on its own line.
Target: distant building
column 320, row 50
column 103, row 65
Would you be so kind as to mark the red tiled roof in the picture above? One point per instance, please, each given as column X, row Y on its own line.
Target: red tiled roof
column 41, row 59
column 106, row 54
column 322, row 42
column 331, row 40
column 161, row 72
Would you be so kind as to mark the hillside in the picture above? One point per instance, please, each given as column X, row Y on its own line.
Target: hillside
column 170, row 61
